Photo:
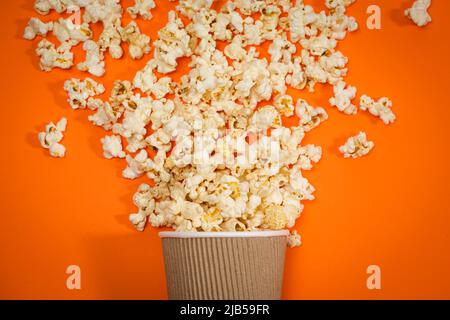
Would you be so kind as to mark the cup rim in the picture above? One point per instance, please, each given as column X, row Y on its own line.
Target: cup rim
column 228, row 234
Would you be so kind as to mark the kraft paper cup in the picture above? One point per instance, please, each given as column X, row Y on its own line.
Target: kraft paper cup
column 224, row 265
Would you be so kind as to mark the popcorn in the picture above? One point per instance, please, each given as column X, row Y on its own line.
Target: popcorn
column 357, row 146
column 333, row 4
column 190, row 7
column 309, row 117
column 135, row 120
column 45, row 6
column 52, row 57
column 110, row 39
column 294, row 240
column 275, row 218
column 284, row 104
column 94, row 63
column 112, row 147
column 66, row 31
column 219, row 158
column 301, row 17
column 342, row 99
column 137, row 166
column 418, row 13
column 81, row 93
column 265, row 118
column 51, row 138
column 70, row 33
column 173, row 43
column 380, row 108
column 318, row 46
column 36, row 27
column 139, row 44
column 142, row 8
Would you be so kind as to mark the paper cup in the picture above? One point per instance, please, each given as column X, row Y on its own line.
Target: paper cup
column 224, row 265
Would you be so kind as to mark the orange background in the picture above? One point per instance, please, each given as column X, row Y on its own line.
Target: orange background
column 390, row 209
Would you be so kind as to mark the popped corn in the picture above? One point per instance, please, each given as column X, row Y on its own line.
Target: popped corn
column 81, row 93
column 380, row 108
column 52, row 57
column 219, row 160
column 173, row 43
column 66, row 31
column 142, row 8
column 36, row 27
column 50, row 139
column 343, row 96
column 294, row 239
column 309, row 117
column 112, row 147
column 94, row 63
column 418, row 13
column 70, row 32
column 357, row 146
column 139, row 43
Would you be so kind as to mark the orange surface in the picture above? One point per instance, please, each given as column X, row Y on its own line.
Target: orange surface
column 390, row 209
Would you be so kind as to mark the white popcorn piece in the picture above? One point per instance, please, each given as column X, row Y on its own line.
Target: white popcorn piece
column 418, row 13
column 81, row 93
column 343, row 96
column 52, row 57
column 333, row 4
column 36, row 27
column 112, row 147
column 52, row 136
column 173, row 43
column 137, row 166
column 190, row 7
column 310, row 117
column 294, row 240
column 380, row 108
column 68, row 32
column 284, row 104
column 94, row 63
column 308, row 155
column 110, row 39
column 45, row 6
column 139, row 43
column 357, row 146
column 142, row 8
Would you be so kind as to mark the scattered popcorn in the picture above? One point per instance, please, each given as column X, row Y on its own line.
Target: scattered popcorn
column 213, row 142
column 357, row 146
column 142, row 8
column 112, row 147
column 36, row 27
column 51, row 138
column 380, row 108
column 418, row 13
column 342, row 99
column 294, row 240
column 70, row 33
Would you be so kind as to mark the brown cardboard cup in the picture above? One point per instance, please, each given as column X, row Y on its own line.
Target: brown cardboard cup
column 224, row 265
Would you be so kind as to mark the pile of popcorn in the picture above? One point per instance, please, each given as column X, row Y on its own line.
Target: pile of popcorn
column 217, row 158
